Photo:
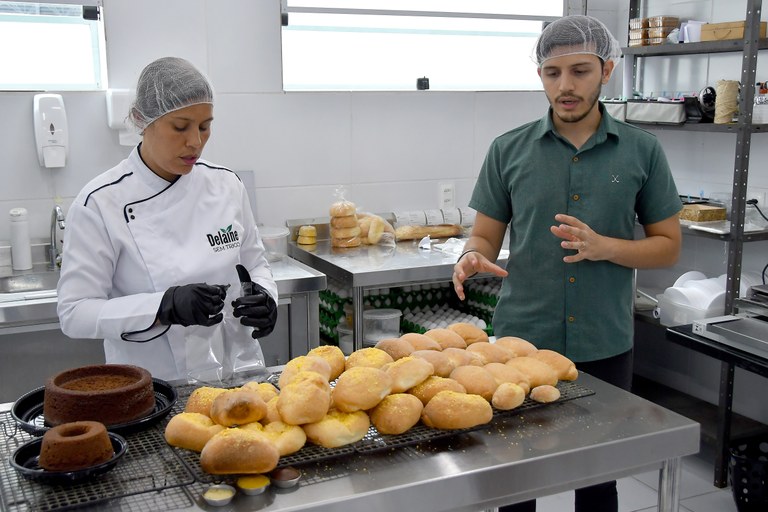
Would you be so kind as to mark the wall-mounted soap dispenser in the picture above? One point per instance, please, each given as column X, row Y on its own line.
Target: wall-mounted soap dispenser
column 51, row 133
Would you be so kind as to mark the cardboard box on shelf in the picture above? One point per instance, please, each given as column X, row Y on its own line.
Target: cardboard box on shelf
column 727, row 30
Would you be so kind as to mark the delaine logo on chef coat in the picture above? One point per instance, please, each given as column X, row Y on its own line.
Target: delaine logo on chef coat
column 225, row 238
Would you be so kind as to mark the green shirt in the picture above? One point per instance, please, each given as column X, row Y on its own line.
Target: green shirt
column 584, row 309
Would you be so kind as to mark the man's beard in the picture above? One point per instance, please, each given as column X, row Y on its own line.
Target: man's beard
column 573, row 117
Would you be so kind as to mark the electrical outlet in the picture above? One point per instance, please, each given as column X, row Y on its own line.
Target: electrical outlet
column 447, row 195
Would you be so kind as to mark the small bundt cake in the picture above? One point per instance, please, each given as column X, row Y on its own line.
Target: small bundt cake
column 76, row 445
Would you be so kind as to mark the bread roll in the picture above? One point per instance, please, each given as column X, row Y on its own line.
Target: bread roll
column 191, row 430
column 442, row 364
column 490, row 352
column 505, row 373
column 470, row 333
column 446, row 338
column 538, row 372
column 419, row 232
column 342, row 209
column 396, row 414
column 508, row 396
column 432, row 386
column 421, row 341
column 201, row 398
column 562, row 365
column 368, row 356
column 519, row 346
column 545, row 393
column 360, row 388
column 333, row 356
column 346, row 242
column 287, row 438
column 449, row 410
column 344, row 221
column 304, row 363
column 338, row 428
column 308, row 231
column 238, row 451
column 407, row 372
column 396, row 347
column 305, row 399
column 237, row 407
column 266, row 390
column 460, row 357
column 345, row 233
column 476, row 380
column 306, row 240
column 377, row 228
column 272, row 413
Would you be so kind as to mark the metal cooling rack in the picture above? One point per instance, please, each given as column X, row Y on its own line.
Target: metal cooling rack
column 150, row 465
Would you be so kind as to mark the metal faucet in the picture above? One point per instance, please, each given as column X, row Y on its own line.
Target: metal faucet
column 57, row 220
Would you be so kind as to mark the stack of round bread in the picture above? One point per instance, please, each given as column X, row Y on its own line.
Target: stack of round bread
column 345, row 231
column 307, row 235
column 449, row 378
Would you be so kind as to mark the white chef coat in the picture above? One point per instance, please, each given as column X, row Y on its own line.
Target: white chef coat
column 131, row 235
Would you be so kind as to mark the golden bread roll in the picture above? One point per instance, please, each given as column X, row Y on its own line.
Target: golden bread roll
column 563, row 366
column 449, row 410
column 397, row 348
column 368, row 356
column 508, row 396
column 338, row 428
column 344, row 221
column 239, row 451
column 378, row 228
column 441, row 362
column 346, row 242
column 421, row 341
column 360, row 388
column 342, row 209
column 419, row 232
column 460, row 357
column 287, row 438
column 266, row 390
column 432, row 386
column 306, row 240
column 470, row 333
column 364, row 223
column 505, row 373
column 446, row 338
column 407, row 372
column 345, row 233
column 237, row 407
column 544, row 393
column 305, row 399
column 490, row 352
column 308, row 231
column 476, row 380
column 397, row 413
column 517, row 345
column 333, row 356
column 201, row 398
column 272, row 413
column 191, row 430
column 304, row 363
column 538, row 372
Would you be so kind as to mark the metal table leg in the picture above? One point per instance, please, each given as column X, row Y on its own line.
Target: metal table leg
column 358, row 306
column 724, row 414
column 669, row 485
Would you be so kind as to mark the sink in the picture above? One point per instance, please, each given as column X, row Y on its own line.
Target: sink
column 31, row 282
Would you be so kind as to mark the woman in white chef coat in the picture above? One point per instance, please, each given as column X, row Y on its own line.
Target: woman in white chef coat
column 152, row 245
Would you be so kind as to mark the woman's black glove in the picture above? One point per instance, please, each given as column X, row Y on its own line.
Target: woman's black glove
column 192, row 304
column 256, row 308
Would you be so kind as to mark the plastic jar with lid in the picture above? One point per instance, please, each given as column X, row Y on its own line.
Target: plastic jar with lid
column 21, row 249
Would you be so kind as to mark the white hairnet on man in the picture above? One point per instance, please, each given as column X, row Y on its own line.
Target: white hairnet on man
column 165, row 85
column 576, row 35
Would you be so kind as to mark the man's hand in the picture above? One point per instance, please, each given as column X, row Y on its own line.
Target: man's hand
column 469, row 264
column 578, row 236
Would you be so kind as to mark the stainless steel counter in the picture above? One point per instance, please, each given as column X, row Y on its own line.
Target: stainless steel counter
column 550, row 449
column 372, row 266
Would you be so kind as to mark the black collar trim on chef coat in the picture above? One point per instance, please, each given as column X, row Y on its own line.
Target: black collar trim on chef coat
column 104, row 186
column 127, row 206
column 126, row 336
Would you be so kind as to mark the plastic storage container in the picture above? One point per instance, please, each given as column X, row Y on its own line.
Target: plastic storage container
column 748, row 470
column 381, row 323
column 21, row 250
column 275, row 242
column 345, row 338
column 672, row 313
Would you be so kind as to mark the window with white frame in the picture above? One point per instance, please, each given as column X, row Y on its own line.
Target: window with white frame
column 366, row 45
column 52, row 46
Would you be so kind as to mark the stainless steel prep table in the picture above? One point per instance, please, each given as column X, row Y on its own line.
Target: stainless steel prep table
column 546, row 450
column 374, row 266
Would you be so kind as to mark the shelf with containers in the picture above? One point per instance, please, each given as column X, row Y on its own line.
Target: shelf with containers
column 749, row 48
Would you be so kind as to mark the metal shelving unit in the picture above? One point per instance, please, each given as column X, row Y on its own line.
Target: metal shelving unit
column 749, row 47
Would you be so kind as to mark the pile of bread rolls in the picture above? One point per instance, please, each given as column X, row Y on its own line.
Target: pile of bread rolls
column 447, row 378
column 350, row 228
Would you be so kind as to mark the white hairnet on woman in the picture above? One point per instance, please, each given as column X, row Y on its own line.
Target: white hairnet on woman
column 576, row 35
column 165, row 85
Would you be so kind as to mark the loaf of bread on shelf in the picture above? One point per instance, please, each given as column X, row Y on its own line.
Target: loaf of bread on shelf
column 419, row 232
column 450, row 410
column 239, row 451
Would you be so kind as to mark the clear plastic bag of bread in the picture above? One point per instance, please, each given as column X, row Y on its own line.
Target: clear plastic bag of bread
column 350, row 228
column 375, row 229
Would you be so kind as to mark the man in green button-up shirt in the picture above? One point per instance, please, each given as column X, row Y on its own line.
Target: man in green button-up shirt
column 570, row 187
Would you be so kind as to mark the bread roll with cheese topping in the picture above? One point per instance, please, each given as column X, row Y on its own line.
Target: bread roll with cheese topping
column 266, row 390
column 360, row 388
column 304, row 363
column 191, row 430
column 201, row 398
column 338, row 428
column 397, row 413
column 432, row 386
column 238, row 451
column 305, row 399
column 287, row 438
column 470, row 333
column 333, row 356
column 449, row 410
column 369, row 356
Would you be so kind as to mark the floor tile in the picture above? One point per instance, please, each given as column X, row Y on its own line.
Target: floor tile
column 717, row 501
